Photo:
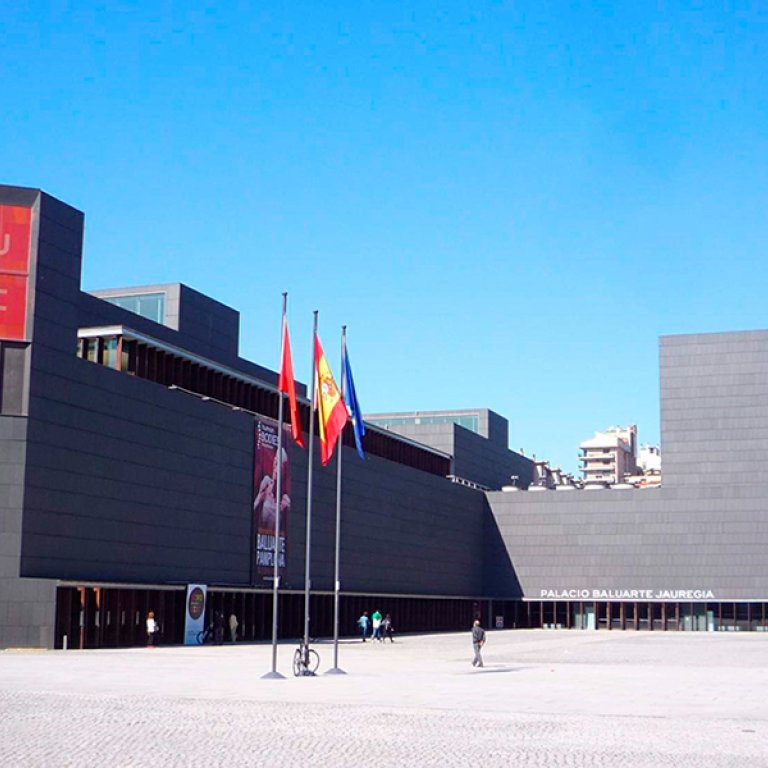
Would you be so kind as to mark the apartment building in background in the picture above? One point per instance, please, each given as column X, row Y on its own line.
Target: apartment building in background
column 609, row 457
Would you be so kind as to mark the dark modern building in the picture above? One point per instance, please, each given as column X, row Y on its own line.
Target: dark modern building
column 690, row 554
column 476, row 439
column 127, row 445
column 130, row 433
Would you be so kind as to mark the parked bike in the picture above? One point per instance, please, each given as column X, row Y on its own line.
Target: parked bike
column 306, row 660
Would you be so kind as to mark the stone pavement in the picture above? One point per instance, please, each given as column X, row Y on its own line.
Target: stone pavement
column 544, row 698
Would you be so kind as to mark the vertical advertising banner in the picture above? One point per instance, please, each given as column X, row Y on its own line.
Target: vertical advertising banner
column 15, row 235
column 265, row 468
column 194, row 622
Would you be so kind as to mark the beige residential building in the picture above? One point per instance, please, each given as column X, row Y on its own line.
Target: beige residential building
column 610, row 457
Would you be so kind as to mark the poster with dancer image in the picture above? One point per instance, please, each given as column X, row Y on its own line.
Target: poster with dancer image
column 265, row 470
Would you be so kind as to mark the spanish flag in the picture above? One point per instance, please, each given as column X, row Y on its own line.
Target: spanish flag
column 331, row 411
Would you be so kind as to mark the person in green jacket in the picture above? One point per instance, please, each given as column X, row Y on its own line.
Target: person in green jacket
column 376, row 622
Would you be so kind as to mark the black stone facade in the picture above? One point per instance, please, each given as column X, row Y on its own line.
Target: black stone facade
column 110, row 481
column 702, row 537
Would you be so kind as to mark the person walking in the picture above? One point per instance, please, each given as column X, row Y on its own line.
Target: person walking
column 151, row 629
column 233, row 627
column 363, row 622
column 389, row 630
column 218, row 628
column 478, row 641
column 376, row 621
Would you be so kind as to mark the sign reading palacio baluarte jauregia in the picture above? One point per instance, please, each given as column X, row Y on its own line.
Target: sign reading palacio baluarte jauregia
column 626, row 594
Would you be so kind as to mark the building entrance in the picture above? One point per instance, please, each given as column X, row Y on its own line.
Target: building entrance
column 109, row 617
column 659, row 617
column 696, row 618
column 103, row 616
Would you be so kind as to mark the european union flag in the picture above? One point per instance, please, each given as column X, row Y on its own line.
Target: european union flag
column 350, row 398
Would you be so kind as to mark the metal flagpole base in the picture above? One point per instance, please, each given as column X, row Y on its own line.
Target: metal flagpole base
column 335, row 671
column 273, row 676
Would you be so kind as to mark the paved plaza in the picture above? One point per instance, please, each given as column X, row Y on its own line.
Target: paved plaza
column 544, row 698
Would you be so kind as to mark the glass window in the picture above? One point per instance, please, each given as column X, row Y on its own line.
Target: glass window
column 615, row 610
column 760, row 617
column 92, row 350
column 727, row 617
column 468, row 421
column 149, row 305
column 110, row 352
column 671, row 610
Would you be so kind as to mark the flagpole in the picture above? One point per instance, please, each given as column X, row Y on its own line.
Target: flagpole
column 336, row 570
column 311, row 451
column 274, row 674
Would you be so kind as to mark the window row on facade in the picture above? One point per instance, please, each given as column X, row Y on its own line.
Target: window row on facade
column 164, row 367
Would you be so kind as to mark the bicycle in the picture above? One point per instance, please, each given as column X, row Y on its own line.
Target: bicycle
column 305, row 661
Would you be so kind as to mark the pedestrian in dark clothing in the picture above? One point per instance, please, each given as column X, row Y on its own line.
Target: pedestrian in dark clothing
column 389, row 630
column 478, row 641
column 218, row 628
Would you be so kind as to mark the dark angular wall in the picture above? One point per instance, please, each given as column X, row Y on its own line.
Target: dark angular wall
column 714, row 412
column 128, row 481
column 26, row 605
column 215, row 339
column 487, row 461
column 706, row 528
column 403, row 531
column 213, row 327
column 497, row 428
column 107, row 477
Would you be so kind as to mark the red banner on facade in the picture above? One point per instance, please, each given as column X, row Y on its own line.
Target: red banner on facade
column 13, row 306
column 15, row 235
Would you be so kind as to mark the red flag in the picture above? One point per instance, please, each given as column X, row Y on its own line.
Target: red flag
column 331, row 412
column 288, row 385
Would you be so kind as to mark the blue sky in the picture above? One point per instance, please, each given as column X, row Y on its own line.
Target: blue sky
column 506, row 203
